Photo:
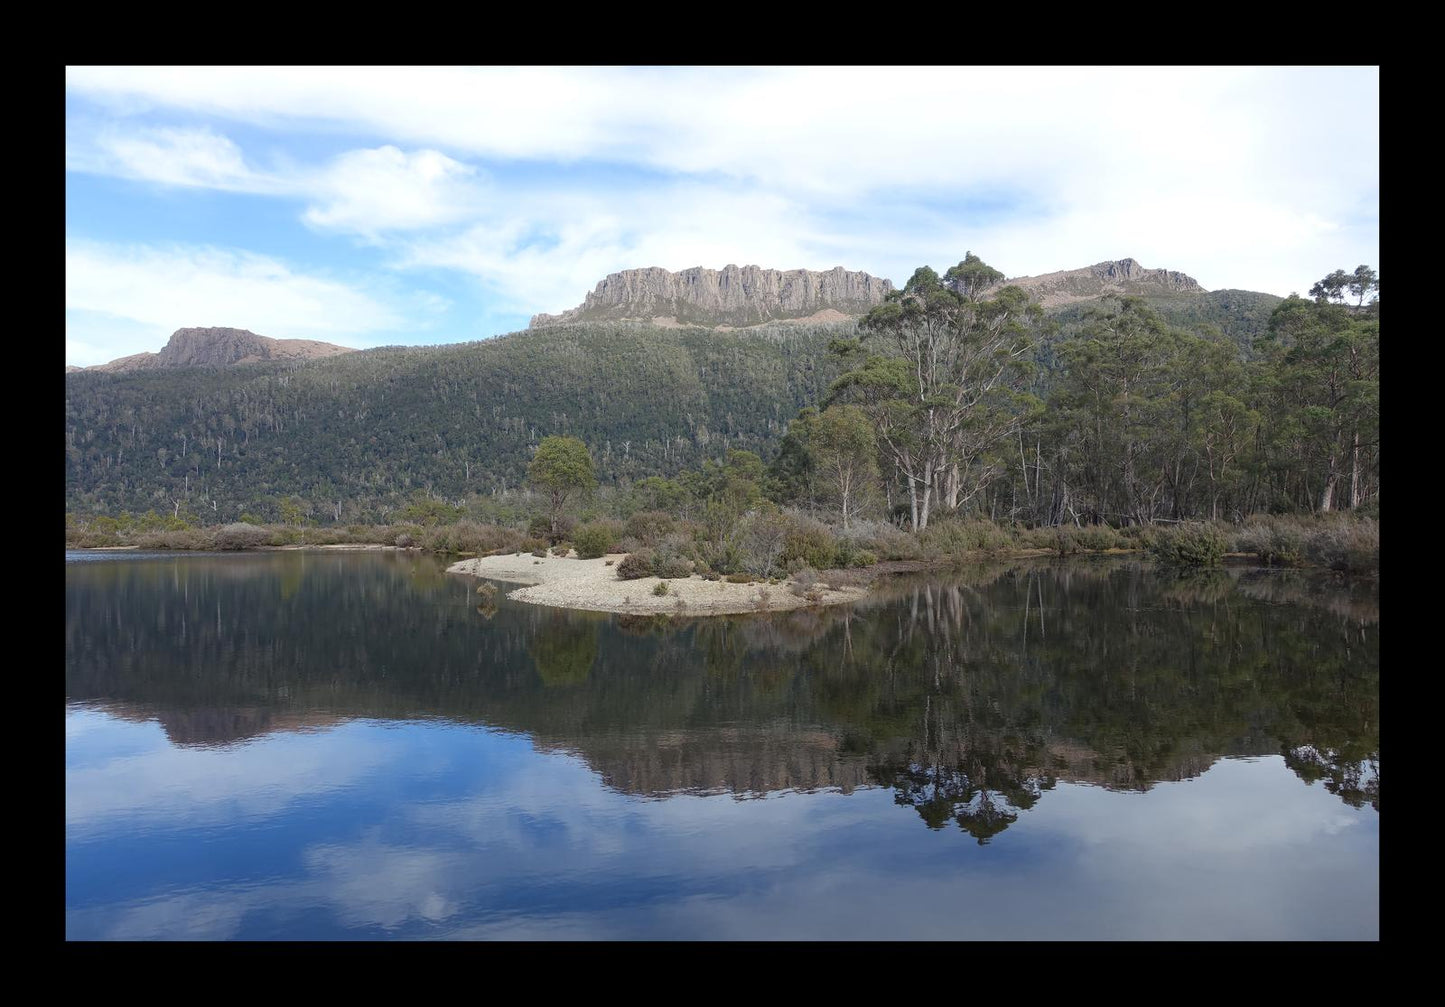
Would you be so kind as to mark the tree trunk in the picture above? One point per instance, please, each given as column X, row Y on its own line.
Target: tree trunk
column 1355, row 472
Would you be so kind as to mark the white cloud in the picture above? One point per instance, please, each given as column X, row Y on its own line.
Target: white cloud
column 186, row 157
column 150, row 291
column 1255, row 178
column 368, row 191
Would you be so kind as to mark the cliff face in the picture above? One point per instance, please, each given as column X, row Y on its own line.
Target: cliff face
column 732, row 296
column 220, row 347
column 1124, row 276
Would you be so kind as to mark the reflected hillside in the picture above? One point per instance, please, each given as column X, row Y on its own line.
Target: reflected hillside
column 969, row 696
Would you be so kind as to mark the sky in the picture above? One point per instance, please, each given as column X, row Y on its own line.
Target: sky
column 372, row 207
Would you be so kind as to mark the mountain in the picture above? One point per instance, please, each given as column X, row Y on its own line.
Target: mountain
column 1124, row 276
column 219, row 347
column 366, row 430
column 361, row 432
column 731, row 297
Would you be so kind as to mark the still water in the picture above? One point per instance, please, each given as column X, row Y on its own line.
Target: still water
column 305, row 745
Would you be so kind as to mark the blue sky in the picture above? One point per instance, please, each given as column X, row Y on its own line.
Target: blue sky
column 409, row 206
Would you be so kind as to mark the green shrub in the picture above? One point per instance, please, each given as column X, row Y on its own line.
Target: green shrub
column 811, row 542
column 1276, row 541
column 669, row 564
column 562, row 549
column 1190, row 544
column 863, row 558
column 959, row 538
column 1097, row 537
column 660, row 589
column 649, row 527
column 596, row 538
column 739, row 578
column 635, row 565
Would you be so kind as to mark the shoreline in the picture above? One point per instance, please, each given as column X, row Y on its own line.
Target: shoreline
column 591, row 585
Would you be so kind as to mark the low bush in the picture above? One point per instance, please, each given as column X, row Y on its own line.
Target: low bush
column 635, row 565
column 955, row 539
column 669, row 564
column 660, row 589
column 1189, row 544
column 810, row 541
column 562, row 549
column 649, row 527
column 241, row 535
column 804, row 581
column 596, row 538
column 739, row 578
column 1276, row 541
column 1350, row 546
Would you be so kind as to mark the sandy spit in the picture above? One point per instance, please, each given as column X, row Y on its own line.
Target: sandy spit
column 338, row 547
column 592, row 585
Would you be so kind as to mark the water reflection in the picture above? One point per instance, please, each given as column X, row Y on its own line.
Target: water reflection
column 968, row 697
column 345, row 745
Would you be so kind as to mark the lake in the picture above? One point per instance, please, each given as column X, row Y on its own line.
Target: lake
column 340, row 746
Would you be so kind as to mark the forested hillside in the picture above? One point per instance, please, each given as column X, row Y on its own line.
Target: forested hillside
column 356, row 437
column 353, row 436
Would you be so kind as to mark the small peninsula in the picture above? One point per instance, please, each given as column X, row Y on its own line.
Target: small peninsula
column 592, row 585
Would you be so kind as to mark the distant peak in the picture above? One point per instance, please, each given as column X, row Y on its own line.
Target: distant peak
column 1117, row 276
column 218, row 346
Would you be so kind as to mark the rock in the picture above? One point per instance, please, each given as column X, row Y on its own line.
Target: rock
column 733, row 296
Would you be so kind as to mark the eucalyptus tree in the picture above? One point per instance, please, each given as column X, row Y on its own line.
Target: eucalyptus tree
column 1325, row 360
column 952, row 389
column 561, row 468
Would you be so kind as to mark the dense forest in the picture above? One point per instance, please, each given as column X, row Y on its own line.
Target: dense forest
column 954, row 397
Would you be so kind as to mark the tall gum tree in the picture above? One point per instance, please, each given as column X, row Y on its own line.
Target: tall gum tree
column 950, row 391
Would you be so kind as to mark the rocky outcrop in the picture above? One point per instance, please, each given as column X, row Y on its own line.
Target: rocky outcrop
column 733, row 296
column 1124, row 276
column 220, row 347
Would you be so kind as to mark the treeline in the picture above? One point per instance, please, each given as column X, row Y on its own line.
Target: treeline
column 954, row 398
column 943, row 407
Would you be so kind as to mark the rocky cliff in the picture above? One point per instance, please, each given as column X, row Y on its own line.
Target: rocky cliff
column 733, row 296
column 220, row 347
column 1124, row 276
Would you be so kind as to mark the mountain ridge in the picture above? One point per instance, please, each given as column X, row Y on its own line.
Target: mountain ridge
column 734, row 296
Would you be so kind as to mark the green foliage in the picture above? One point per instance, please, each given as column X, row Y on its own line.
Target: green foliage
column 810, row 542
column 562, row 469
column 1189, row 544
column 635, row 565
column 649, row 527
column 672, row 558
column 596, row 538
column 660, row 588
column 422, row 510
column 562, row 549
